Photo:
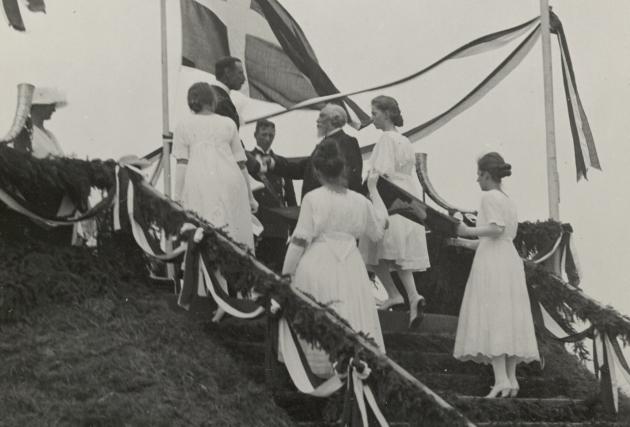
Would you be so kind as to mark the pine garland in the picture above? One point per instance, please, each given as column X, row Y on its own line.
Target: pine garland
column 46, row 180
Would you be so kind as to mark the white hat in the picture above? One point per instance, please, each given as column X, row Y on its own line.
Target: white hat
column 49, row 95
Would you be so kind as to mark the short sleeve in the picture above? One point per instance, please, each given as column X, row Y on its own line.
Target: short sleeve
column 181, row 143
column 383, row 156
column 305, row 228
column 375, row 224
column 493, row 209
column 236, row 145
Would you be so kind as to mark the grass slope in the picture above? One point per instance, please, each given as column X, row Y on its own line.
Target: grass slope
column 113, row 355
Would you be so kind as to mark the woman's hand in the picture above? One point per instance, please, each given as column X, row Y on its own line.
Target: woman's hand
column 253, row 205
column 462, row 229
column 372, row 179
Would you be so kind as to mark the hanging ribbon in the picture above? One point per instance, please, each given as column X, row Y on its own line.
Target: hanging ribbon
column 357, row 374
column 240, row 308
column 17, row 203
column 583, row 143
column 197, row 265
column 149, row 245
column 482, row 44
column 357, row 392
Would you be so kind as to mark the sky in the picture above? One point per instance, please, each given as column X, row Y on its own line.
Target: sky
column 106, row 55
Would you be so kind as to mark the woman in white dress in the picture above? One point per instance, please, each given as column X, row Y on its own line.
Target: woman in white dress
column 495, row 320
column 323, row 257
column 211, row 178
column 404, row 247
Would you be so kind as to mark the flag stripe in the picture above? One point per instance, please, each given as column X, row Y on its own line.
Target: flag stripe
column 296, row 46
column 12, row 11
column 204, row 36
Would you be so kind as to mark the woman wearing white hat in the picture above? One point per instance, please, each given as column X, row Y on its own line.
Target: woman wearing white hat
column 45, row 102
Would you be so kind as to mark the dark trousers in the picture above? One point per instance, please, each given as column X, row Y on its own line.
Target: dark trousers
column 271, row 251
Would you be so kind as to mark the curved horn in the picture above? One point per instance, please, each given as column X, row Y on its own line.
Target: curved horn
column 423, row 176
column 23, row 110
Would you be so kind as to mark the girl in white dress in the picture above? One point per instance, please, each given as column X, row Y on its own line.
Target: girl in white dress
column 211, row 178
column 323, row 257
column 404, row 246
column 495, row 320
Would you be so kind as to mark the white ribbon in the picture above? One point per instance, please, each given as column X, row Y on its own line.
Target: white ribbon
column 138, row 232
column 116, row 210
column 220, row 302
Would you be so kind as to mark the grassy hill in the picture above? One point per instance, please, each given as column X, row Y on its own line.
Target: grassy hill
column 85, row 341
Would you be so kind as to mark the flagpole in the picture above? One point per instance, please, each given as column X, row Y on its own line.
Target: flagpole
column 166, row 132
column 553, row 180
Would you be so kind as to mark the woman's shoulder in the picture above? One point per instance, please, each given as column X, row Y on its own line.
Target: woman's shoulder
column 496, row 198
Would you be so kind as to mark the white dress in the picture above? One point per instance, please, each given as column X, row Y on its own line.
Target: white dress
column 405, row 242
column 331, row 268
column 495, row 317
column 214, row 185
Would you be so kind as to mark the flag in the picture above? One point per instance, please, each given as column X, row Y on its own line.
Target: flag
column 279, row 62
column 13, row 14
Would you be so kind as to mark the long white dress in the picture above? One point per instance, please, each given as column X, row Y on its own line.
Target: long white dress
column 214, row 185
column 495, row 317
column 331, row 268
column 405, row 242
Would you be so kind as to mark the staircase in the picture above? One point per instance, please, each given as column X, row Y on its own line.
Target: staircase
column 544, row 400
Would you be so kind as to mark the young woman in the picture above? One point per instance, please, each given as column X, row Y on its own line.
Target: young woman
column 211, row 178
column 323, row 257
column 495, row 320
column 404, row 247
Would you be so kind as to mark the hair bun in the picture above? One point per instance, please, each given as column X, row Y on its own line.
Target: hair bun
column 328, row 159
column 505, row 170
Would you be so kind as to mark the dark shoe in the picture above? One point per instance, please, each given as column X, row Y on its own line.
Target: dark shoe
column 415, row 321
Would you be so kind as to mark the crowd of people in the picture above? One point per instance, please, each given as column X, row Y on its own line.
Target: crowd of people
column 344, row 230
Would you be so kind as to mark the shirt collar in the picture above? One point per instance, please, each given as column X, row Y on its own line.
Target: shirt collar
column 266, row 153
column 222, row 86
column 334, row 131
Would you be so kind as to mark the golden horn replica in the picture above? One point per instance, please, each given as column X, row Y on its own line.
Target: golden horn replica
column 23, row 110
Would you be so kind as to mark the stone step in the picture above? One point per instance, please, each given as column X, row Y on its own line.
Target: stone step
column 325, row 424
column 479, row 409
column 475, row 385
column 304, row 408
column 398, row 321
column 551, row 424
column 445, row 363
column 419, row 342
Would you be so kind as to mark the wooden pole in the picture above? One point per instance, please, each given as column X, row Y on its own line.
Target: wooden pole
column 553, row 180
column 166, row 132
column 166, row 138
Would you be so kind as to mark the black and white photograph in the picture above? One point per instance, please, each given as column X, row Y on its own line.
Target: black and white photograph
column 347, row 213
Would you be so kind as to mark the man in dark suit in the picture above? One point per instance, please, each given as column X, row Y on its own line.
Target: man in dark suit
column 278, row 193
column 230, row 76
column 330, row 123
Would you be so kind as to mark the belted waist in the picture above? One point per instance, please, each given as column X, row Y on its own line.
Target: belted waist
column 335, row 236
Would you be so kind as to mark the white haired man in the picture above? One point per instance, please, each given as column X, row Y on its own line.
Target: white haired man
column 330, row 122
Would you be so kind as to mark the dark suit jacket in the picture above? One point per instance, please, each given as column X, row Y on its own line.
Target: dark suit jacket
column 225, row 106
column 278, row 192
column 303, row 168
